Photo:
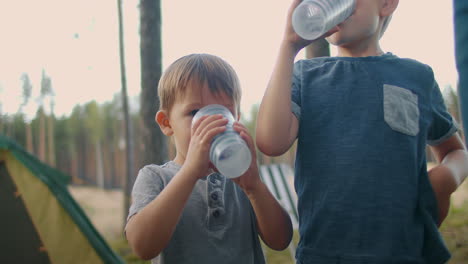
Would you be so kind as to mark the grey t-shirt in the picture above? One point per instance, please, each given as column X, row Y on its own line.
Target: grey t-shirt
column 218, row 224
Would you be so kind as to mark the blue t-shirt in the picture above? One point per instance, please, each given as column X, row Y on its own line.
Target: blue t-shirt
column 361, row 176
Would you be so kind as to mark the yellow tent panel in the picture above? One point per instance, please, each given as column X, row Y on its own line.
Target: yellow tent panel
column 43, row 223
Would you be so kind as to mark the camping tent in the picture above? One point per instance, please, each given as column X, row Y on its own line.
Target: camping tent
column 40, row 221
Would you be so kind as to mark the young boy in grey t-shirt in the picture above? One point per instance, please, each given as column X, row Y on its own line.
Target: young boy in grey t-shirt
column 185, row 211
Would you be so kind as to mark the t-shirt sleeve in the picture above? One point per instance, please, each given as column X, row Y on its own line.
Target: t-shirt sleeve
column 147, row 186
column 442, row 126
column 296, row 91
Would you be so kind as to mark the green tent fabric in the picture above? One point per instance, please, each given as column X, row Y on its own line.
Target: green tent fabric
column 41, row 221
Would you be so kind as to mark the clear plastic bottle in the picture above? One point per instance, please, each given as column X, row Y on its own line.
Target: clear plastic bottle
column 229, row 153
column 313, row 18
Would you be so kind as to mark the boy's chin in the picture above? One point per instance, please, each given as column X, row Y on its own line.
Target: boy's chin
column 335, row 39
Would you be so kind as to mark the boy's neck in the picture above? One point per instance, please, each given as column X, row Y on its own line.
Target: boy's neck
column 359, row 51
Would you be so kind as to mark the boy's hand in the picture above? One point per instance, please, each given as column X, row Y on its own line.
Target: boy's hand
column 202, row 133
column 250, row 180
column 291, row 37
column 443, row 185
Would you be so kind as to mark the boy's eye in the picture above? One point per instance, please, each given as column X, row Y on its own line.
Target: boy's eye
column 193, row 112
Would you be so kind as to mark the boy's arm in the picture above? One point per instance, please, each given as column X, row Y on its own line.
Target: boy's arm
column 274, row 223
column 277, row 126
column 149, row 231
column 449, row 173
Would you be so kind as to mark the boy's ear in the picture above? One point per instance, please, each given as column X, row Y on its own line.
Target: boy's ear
column 162, row 119
column 388, row 7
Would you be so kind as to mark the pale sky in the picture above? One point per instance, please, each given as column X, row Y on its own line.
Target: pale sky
column 76, row 43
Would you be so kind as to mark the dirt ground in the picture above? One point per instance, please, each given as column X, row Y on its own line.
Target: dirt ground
column 105, row 208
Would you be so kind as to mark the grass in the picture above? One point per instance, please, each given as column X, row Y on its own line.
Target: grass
column 280, row 257
column 121, row 247
column 454, row 231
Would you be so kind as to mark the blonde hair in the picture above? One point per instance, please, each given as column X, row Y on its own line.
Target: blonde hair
column 216, row 72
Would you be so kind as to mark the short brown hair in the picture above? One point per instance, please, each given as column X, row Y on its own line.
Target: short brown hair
column 216, row 72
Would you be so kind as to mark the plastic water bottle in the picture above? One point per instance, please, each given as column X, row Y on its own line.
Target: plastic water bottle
column 228, row 152
column 313, row 18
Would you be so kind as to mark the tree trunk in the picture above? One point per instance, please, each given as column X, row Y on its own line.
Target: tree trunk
column 42, row 136
column 50, row 141
column 151, row 68
column 1, row 119
column 82, row 162
column 128, row 137
column 99, row 166
column 29, row 140
column 110, row 172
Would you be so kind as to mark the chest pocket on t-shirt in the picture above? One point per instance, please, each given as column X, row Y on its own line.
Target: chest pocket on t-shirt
column 401, row 110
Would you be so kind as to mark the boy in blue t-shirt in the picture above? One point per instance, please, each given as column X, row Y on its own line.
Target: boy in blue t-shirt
column 460, row 8
column 363, row 120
